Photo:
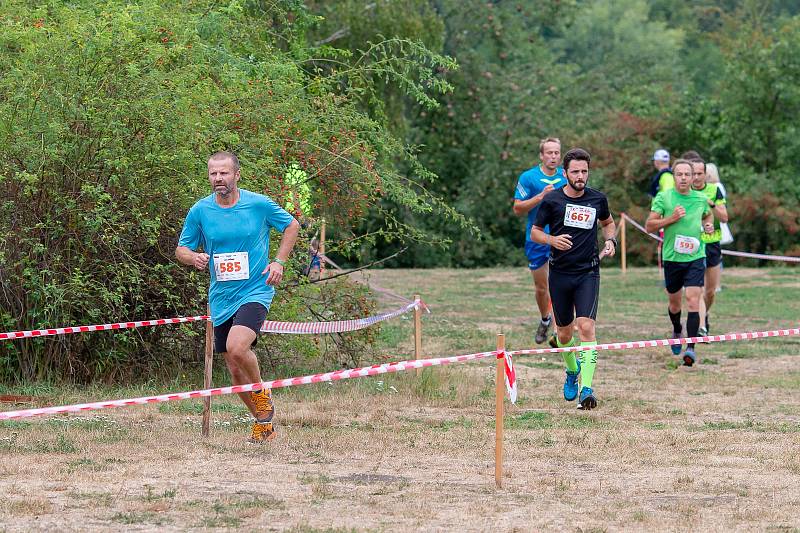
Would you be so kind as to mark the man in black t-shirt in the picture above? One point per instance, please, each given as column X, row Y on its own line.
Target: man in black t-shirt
column 573, row 213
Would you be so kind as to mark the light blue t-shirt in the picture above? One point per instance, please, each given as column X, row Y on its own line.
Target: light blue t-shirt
column 244, row 227
column 532, row 182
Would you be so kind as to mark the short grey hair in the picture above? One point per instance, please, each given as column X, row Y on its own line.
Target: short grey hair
column 226, row 155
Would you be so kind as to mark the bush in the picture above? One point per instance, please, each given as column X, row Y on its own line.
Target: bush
column 108, row 112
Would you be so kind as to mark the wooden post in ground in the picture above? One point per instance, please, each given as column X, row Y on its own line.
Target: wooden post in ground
column 321, row 250
column 418, row 332
column 622, row 242
column 209, row 365
column 499, row 397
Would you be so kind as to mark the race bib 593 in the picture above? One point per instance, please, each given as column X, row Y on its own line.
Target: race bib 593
column 686, row 245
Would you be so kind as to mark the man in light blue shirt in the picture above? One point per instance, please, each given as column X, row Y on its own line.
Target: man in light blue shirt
column 232, row 227
column 532, row 186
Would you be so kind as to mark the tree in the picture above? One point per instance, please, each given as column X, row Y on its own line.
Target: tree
column 108, row 112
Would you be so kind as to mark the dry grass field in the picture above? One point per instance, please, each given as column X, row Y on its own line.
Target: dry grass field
column 715, row 447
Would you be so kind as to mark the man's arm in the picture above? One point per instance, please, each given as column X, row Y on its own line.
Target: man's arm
column 609, row 228
column 656, row 222
column 522, row 207
column 560, row 242
column 191, row 258
column 708, row 222
column 720, row 211
column 275, row 268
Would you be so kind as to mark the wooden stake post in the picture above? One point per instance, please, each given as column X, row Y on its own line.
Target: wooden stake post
column 417, row 333
column 209, row 364
column 500, row 394
column 622, row 243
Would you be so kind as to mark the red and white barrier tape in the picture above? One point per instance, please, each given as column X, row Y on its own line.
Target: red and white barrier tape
column 270, row 326
column 380, row 369
column 736, row 253
column 290, row 382
column 667, row 342
column 99, row 327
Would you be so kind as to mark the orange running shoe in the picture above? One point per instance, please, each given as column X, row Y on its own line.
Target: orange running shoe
column 262, row 400
column 262, row 433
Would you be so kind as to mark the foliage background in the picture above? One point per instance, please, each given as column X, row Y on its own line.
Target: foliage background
column 412, row 120
column 620, row 78
column 108, row 112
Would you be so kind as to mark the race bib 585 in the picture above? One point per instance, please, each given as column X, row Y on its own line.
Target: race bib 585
column 579, row 216
column 231, row 266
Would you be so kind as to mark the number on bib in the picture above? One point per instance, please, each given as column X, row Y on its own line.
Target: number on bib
column 232, row 266
column 579, row 216
column 686, row 245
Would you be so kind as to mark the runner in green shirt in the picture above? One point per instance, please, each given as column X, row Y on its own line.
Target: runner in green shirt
column 683, row 214
column 716, row 202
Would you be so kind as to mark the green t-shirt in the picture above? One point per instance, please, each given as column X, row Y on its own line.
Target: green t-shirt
column 682, row 239
column 713, row 194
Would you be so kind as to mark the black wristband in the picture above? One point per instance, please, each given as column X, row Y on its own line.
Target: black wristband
column 614, row 240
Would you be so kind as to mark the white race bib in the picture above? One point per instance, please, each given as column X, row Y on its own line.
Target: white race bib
column 686, row 245
column 579, row 216
column 232, row 266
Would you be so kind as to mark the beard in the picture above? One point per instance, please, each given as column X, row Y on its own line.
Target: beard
column 577, row 185
column 223, row 189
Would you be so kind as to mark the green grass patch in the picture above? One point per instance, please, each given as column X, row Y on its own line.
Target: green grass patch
column 146, row 517
column 748, row 425
column 529, row 420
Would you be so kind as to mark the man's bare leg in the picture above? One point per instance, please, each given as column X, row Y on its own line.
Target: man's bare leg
column 542, row 292
column 242, row 363
column 713, row 275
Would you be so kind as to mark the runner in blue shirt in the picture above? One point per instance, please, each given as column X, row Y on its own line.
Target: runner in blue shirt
column 232, row 227
column 532, row 187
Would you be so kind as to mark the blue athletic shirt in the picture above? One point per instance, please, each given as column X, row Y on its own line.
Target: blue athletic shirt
column 532, row 182
column 244, row 227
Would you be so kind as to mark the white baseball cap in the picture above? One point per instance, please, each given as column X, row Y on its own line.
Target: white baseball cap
column 661, row 155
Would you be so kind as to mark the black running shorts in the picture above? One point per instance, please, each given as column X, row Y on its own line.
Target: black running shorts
column 251, row 315
column 679, row 275
column 574, row 295
column 713, row 254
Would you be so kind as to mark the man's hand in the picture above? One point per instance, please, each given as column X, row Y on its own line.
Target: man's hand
column 200, row 261
column 679, row 212
column 708, row 227
column 608, row 250
column 561, row 242
column 546, row 190
column 275, row 273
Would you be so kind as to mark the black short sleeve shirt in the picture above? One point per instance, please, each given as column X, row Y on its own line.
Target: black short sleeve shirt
column 577, row 217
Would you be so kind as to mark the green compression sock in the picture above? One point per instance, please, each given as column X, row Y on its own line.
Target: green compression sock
column 588, row 363
column 569, row 357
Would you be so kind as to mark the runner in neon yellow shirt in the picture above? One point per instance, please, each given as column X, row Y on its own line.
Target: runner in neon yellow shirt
column 683, row 214
column 716, row 202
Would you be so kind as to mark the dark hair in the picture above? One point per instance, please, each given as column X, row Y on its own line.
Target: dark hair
column 682, row 162
column 227, row 155
column 576, row 154
column 691, row 154
column 698, row 160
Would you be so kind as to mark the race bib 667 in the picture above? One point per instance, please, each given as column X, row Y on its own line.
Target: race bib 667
column 579, row 216
column 231, row 266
